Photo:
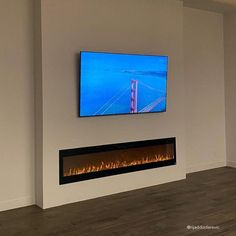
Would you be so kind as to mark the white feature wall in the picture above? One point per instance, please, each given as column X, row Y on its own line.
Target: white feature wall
column 144, row 27
column 204, row 83
column 152, row 27
column 17, row 104
column 230, row 86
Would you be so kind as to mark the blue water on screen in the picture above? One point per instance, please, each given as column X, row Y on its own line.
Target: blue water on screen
column 105, row 83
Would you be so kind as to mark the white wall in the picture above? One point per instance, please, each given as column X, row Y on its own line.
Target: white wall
column 230, row 86
column 204, row 80
column 72, row 25
column 148, row 27
column 17, row 104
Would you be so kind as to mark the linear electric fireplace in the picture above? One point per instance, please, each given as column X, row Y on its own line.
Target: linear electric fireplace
column 98, row 161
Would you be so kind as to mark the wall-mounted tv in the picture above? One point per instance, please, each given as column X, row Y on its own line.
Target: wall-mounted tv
column 115, row 84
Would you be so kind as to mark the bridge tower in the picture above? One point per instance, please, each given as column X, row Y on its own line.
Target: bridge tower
column 134, row 96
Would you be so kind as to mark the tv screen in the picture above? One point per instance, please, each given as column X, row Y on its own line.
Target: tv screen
column 114, row 84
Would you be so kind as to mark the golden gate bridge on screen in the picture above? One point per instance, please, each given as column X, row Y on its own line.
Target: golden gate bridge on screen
column 133, row 99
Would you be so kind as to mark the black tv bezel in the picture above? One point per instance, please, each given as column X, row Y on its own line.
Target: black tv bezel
column 118, row 114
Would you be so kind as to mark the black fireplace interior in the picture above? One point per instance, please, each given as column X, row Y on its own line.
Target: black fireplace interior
column 98, row 161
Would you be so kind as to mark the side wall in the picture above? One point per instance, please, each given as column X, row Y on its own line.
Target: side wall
column 17, row 104
column 204, row 83
column 230, row 86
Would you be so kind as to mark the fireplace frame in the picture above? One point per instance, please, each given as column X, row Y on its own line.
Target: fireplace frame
column 109, row 147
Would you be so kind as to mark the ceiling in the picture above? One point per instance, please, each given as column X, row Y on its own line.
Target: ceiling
column 230, row 2
column 221, row 6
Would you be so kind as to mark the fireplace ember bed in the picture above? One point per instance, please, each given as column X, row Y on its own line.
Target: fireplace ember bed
column 99, row 161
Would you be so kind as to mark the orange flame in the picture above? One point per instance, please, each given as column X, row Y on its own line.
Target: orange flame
column 114, row 165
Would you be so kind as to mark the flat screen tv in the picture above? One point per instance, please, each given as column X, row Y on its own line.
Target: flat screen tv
column 115, row 84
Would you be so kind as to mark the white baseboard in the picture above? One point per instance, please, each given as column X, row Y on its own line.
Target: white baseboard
column 205, row 166
column 16, row 203
column 231, row 164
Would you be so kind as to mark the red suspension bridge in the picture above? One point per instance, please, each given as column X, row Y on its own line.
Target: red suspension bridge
column 133, row 99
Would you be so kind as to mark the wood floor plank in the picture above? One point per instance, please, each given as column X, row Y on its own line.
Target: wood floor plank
column 205, row 198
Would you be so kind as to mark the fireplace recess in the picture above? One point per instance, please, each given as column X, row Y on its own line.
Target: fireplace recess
column 99, row 161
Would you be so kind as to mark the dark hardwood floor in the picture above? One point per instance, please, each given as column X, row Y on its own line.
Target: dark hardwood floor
column 205, row 198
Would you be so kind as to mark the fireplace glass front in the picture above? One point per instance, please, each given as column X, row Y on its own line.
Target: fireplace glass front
column 98, row 161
